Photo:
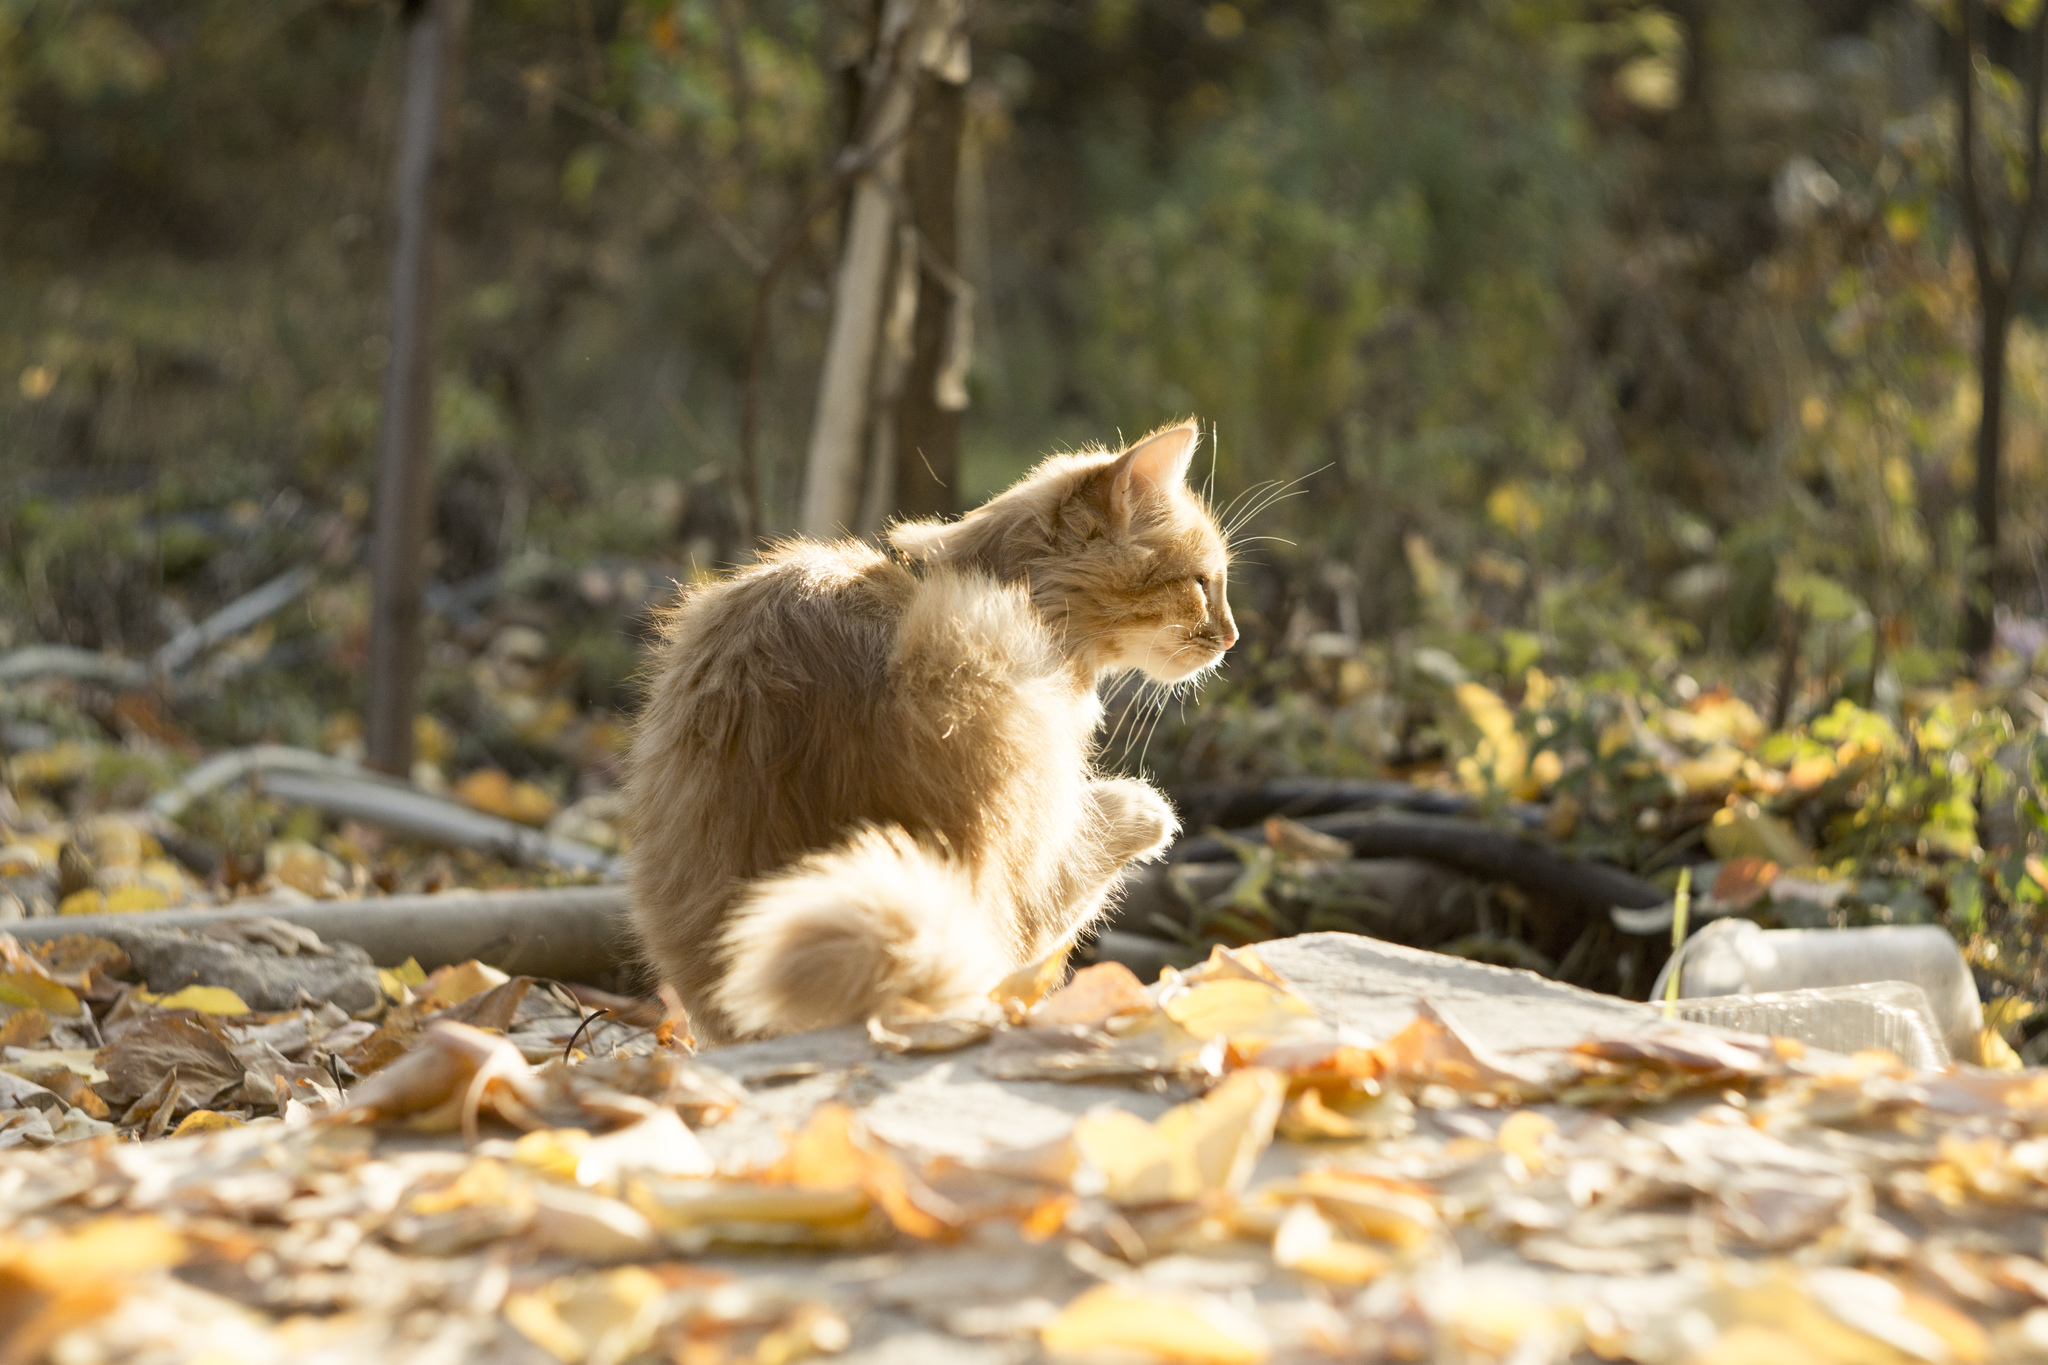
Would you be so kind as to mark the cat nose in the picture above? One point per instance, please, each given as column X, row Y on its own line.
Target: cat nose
column 1229, row 634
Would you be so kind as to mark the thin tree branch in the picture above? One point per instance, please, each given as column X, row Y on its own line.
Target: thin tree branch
column 728, row 231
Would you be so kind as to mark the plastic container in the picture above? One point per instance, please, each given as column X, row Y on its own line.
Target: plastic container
column 1893, row 1015
column 1737, row 957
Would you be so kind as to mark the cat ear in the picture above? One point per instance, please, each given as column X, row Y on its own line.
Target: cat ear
column 924, row 540
column 1159, row 461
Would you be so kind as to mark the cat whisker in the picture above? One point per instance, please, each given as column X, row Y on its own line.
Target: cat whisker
column 1286, row 490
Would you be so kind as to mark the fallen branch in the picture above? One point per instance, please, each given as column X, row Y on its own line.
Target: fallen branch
column 1400, row 900
column 1464, row 846
column 248, row 610
column 67, row 661
column 576, row 933
column 85, row 665
column 1228, row 805
column 349, row 792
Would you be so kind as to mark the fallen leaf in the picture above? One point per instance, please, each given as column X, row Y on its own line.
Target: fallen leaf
column 833, row 1152
column 455, row 984
column 1713, row 771
column 1203, row 1146
column 494, row 792
column 205, row 999
column 1743, row 830
column 1031, row 983
column 1296, row 842
column 909, row 1027
column 147, row 1051
column 1155, row 1326
column 1743, row 881
column 1306, row 1241
column 608, row 1316
column 447, row 1081
column 52, row 1283
column 1096, row 993
column 206, row 1121
column 1249, row 1013
column 1431, row 1050
column 80, row 961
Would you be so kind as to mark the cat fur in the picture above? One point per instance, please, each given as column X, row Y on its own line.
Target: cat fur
column 862, row 776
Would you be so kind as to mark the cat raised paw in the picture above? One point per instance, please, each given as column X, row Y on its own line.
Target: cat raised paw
column 1140, row 821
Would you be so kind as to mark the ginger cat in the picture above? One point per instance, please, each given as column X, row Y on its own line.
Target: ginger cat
column 861, row 777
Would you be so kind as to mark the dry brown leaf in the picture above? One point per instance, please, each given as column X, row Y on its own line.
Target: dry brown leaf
column 1031, row 983
column 1296, row 842
column 834, row 1152
column 149, row 1049
column 1203, row 1146
column 1096, row 993
column 1432, row 1050
column 446, row 1082
column 1743, row 881
column 80, row 961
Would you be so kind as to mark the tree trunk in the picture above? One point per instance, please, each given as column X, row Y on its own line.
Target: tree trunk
column 433, row 44
column 927, row 447
column 1981, row 594
column 832, row 462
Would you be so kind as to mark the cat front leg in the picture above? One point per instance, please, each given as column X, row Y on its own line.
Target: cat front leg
column 1125, row 821
column 1136, row 822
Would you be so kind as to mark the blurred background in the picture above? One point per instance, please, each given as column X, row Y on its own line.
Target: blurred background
column 1601, row 382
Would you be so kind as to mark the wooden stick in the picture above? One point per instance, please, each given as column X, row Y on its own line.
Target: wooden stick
column 573, row 933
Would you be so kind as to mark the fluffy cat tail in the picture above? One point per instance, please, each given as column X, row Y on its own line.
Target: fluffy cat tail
column 845, row 932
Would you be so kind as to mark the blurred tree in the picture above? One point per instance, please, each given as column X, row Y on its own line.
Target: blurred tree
column 874, row 289
column 433, row 56
column 2000, row 274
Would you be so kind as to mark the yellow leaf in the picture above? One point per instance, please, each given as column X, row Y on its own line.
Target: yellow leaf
column 1307, row 1242
column 1714, row 770
column 1133, row 1159
column 1521, row 1137
column 1993, row 1051
column 21, row 860
column 1743, row 830
column 599, row 1315
column 305, row 868
column 1096, row 993
column 1716, row 717
column 1157, row 1326
column 493, row 791
column 834, row 1153
column 1032, row 982
column 1242, row 1011
column 205, row 999
column 1205, row 1145
column 1486, row 710
column 395, row 980
column 462, row 981
column 206, row 1121
column 431, row 742
column 33, row 991
column 1369, row 1207
column 135, row 897
column 86, row 902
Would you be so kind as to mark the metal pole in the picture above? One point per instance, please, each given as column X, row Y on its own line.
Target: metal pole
column 433, row 40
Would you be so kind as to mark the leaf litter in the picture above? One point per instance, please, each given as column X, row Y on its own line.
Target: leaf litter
column 479, row 1173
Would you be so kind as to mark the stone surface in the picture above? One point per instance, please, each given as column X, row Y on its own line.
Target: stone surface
column 269, row 964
